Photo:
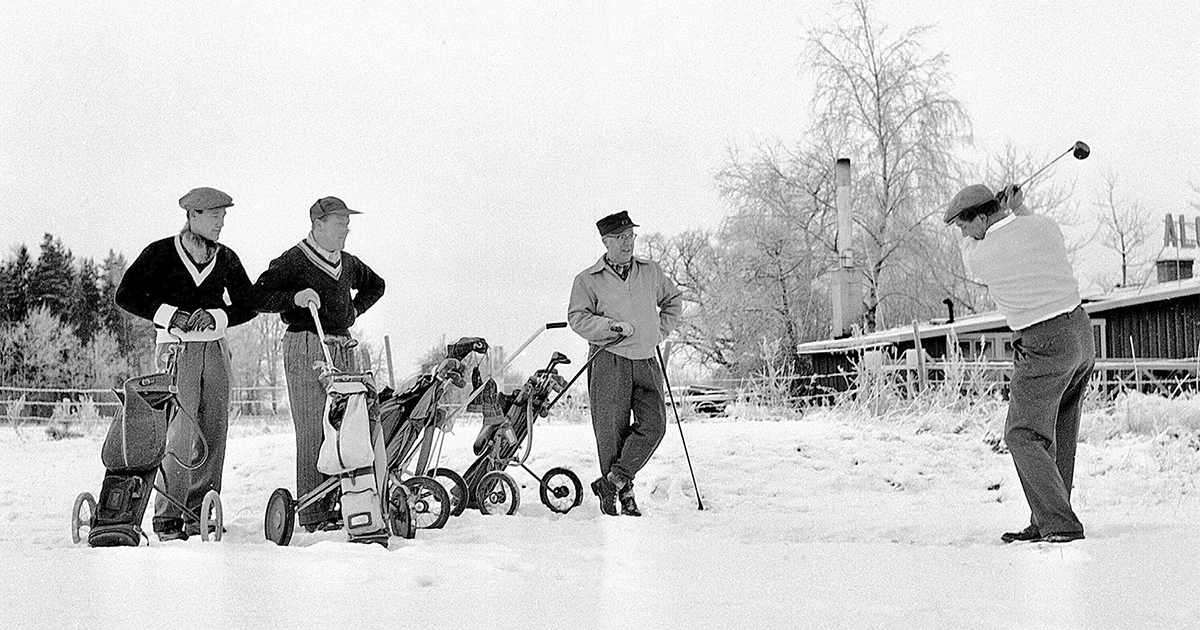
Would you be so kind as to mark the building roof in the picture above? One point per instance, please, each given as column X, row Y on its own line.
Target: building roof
column 993, row 320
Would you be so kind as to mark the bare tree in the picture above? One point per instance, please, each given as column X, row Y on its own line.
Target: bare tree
column 885, row 104
column 1124, row 229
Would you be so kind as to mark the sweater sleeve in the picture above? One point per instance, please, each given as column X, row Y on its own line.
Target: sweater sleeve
column 274, row 291
column 369, row 288
column 139, row 292
column 670, row 305
column 241, row 292
column 582, row 316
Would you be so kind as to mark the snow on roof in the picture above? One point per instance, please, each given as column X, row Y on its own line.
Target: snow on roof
column 1096, row 303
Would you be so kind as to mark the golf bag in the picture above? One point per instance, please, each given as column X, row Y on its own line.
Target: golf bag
column 507, row 422
column 353, row 451
column 132, row 453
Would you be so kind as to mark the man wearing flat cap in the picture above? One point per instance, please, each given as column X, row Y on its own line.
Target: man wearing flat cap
column 624, row 297
column 316, row 270
column 1022, row 258
column 193, row 289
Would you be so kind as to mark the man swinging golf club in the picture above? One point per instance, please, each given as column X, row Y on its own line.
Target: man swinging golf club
column 1022, row 259
column 627, row 296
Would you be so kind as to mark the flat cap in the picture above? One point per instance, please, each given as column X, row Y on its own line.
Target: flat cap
column 205, row 198
column 614, row 223
column 326, row 206
column 967, row 198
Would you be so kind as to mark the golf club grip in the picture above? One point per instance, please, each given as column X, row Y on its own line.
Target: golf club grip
column 553, row 325
column 312, row 309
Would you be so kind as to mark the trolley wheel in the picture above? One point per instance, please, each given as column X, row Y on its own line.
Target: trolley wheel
column 280, row 520
column 80, row 517
column 399, row 518
column 212, row 520
column 455, row 486
column 428, row 502
column 561, row 490
column 498, row 493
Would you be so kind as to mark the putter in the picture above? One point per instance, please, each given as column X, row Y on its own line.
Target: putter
column 1079, row 150
column 675, row 408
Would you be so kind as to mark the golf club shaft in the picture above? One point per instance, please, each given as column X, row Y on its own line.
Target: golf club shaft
column 675, row 408
column 583, row 369
column 1039, row 172
column 312, row 308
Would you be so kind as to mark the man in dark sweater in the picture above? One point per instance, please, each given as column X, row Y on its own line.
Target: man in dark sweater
column 316, row 270
column 193, row 288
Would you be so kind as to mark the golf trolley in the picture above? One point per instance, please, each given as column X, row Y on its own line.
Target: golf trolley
column 506, row 439
column 353, row 455
column 133, row 454
column 413, row 430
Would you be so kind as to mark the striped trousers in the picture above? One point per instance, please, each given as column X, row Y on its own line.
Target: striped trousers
column 306, row 397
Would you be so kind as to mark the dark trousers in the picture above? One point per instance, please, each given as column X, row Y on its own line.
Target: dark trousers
column 306, row 398
column 616, row 387
column 196, row 437
column 1053, row 364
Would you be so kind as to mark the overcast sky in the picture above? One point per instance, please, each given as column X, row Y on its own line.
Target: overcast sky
column 483, row 140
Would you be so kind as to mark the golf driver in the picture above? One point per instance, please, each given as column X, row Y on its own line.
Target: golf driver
column 675, row 408
column 1079, row 150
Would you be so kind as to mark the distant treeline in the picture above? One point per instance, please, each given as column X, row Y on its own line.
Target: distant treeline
column 59, row 324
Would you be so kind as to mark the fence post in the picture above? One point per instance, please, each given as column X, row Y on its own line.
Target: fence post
column 922, row 376
column 387, row 346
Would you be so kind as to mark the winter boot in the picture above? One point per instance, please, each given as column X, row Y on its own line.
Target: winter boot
column 606, row 491
column 628, row 504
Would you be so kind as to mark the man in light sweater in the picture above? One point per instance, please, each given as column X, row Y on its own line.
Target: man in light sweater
column 624, row 295
column 1022, row 258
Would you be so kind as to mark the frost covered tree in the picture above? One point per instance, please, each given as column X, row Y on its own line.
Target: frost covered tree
column 1125, row 230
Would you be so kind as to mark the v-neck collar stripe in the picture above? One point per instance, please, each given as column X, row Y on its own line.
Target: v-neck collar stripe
column 198, row 275
column 333, row 270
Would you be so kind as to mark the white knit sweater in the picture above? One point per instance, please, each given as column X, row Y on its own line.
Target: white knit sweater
column 1023, row 261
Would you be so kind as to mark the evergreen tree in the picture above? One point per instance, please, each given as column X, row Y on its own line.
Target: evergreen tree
column 53, row 278
column 16, row 286
column 133, row 335
column 85, row 302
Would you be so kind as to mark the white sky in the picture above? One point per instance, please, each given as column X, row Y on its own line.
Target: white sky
column 483, row 140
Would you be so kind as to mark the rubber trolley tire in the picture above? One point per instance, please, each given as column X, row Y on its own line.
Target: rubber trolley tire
column 280, row 520
column 455, row 486
column 428, row 502
column 561, row 490
column 212, row 518
column 498, row 493
column 77, row 520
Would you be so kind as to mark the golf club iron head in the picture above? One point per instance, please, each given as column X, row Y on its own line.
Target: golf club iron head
column 557, row 358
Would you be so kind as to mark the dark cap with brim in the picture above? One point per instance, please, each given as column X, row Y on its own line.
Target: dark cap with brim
column 205, row 198
column 615, row 223
column 326, row 206
column 967, row 198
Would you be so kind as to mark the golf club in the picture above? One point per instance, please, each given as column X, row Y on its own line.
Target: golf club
column 675, row 408
column 1079, row 150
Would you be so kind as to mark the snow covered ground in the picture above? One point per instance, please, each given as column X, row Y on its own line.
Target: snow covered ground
column 821, row 522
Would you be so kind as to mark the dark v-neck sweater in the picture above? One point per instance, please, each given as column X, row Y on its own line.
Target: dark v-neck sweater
column 165, row 279
column 355, row 289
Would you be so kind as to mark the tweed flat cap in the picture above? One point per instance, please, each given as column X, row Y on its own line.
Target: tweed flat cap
column 614, row 223
column 969, row 197
column 326, row 206
column 205, row 198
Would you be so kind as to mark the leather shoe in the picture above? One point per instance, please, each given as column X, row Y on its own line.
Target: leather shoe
column 629, row 506
column 606, row 491
column 1025, row 535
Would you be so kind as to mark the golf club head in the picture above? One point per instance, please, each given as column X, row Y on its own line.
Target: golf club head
column 558, row 358
column 1081, row 150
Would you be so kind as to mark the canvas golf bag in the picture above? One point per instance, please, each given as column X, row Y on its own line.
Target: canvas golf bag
column 353, row 450
column 133, row 450
column 507, row 421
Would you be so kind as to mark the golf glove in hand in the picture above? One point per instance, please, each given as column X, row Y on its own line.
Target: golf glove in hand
column 181, row 320
column 202, row 320
column 304, row 297
column 625, row 329
column 1011, row 197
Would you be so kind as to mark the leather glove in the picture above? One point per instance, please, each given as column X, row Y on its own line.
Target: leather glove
column 1011, row 197
column 181, row 320
column 625, row 329
column 304, row 297
column 202, row 320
